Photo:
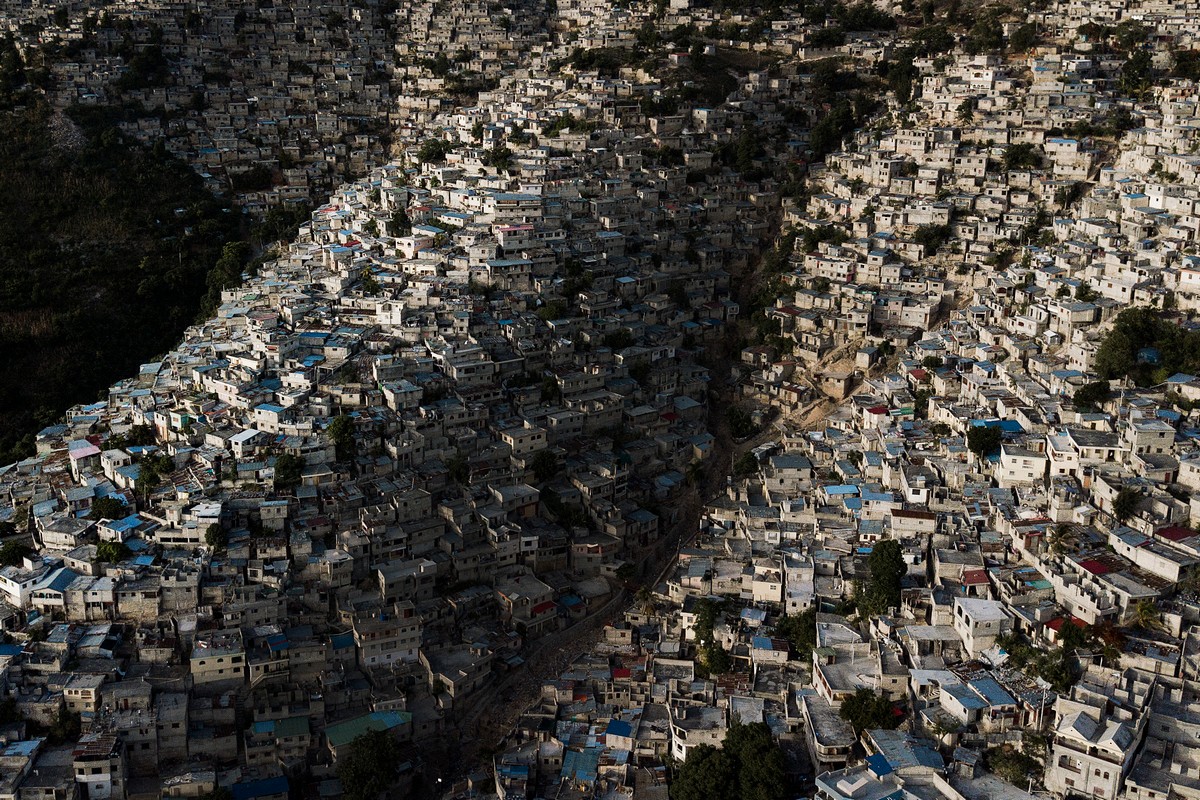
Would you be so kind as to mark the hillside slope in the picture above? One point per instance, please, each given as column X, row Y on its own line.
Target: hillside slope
column 105, row 255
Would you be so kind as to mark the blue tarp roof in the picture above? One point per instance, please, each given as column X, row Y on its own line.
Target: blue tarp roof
column 879, row 765
column 264, row 787
column 619, row 727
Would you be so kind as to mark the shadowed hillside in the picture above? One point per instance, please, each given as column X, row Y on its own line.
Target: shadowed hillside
column 106, row 251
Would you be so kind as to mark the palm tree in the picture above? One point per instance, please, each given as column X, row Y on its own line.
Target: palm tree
column 1057, row 540
column 1146, row 616
column 1110, row 655
column 645, row 601
column 943, row 726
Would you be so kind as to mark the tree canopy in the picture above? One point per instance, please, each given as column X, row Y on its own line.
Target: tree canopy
column 983, row 440
column 368, row 769
column 801, row 632
column 1125, row 503
column 11, row 553
column 544, row 465
column 1022, row 156
column 106, row 231
column 707, row 773
column 866, row 710
column 433, row 151
column 749, row 766
column 288, row 469
column 1091, row 396
column 108, row 508
column 113, row 552
column 887, row 571
column 341, row 433
column 1147, row 347
column 216, row 537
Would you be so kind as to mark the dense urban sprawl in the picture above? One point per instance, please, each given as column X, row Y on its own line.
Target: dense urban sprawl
column 688, row 403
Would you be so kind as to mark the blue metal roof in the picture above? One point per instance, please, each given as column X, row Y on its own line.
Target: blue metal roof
column 992, row 692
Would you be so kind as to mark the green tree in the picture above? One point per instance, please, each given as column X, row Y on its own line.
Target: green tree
column 866, row 710
column 1091, row 396
column 11, row 553
column 401, row 225
column 113, row 552
column 226, row 272
column 887, row 570
column 1022, row 156
column 1186, row 65
column 108, row 508
column 966, row 110
column 1012, row 765
column 369, row 283
column 1125, row 503
column 706, row 611
column 499, row 158
column 138, row 435
column 459, row 469
column 433, row 151
column 368, row 768
column 288, row 469
column 714, row 659
column 706, row 774
column 761, row 771
column 645, row 601
column 647, row 35
column 1024, row 37
column 985, row 35
column 1146, row 616
column 65, row 727
column 9, row 712
column 921, row 403
column 1130, row 34
column 746, row 464
column 341, row 433
column 216, row 537
column 741, row 424
column 801, row 632
column 984, row 439
column 932, row 237
column 1136, row 74
column 544, row 465
column 749, row 766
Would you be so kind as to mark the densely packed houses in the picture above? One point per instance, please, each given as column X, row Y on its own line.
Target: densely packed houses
column 470, row 406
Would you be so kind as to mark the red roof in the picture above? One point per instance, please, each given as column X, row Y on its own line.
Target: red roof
column 1095, row 567
column 542, row 608
column 1175, row 533
column 974, row 576
column 1057, row 623
column 621, row 672
column 919, row 373
column 904, row 513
